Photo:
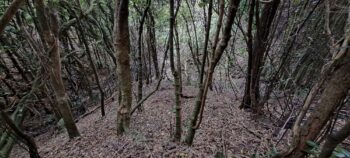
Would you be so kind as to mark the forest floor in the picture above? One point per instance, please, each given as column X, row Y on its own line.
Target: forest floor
column 225, row 129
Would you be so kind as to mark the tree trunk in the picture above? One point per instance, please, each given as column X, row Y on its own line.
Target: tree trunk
column 334, row 93
column 178, row 60
column 92, row 65
column 6, row 141
column 152, row 42
column 9, row 13
column 257, row 51
column 202, row 94
column 246, row 103
column 122, row 47
column 334, row 139
column 50, row 40
column 140, row 58
column 28, row 141
column 176, row 75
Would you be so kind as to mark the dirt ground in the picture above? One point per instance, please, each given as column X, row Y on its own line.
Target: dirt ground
column 225, row 129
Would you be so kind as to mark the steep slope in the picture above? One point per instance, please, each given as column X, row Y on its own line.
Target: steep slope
column 225, row 129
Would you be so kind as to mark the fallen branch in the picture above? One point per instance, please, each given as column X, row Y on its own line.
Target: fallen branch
column 108, row 100
column 146, row 97
column 187, row 96
column 252, row 132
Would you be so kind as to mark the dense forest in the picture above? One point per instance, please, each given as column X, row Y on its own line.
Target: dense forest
column 175, row 78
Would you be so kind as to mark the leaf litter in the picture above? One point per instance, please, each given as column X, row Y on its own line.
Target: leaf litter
column 225, row 130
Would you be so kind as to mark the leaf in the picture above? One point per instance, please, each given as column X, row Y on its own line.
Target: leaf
column 274, row 150
column 309, row 151
column 202, row 4
column 173, row 110
column 60, row 124
column 343, row 151
column 339, row 154
column 312, row 144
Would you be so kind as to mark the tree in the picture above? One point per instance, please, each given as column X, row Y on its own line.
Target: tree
column 152, row 41
column 334, row 139
column 122, row 47
column 49, row 31
column 336, row 77
column 9, row 13
column 257, row 48
column 92, row 65
column 28, row 141
column 175, row 71
column 216, row 56
column 139, row 52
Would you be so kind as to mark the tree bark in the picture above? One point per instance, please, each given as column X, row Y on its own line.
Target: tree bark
column 152, row 42
column 334, row 139
column 246, row 103
column 334, row 93
column 33, row 149
column 92, row 65
column 176, row 75
column 9, row 13
column 178, row 60
column 122, row 47
column 140, row 71
column 203, row 90
column 256, row 52
column 51, row 42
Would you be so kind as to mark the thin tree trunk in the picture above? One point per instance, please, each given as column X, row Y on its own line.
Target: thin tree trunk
column 206, row 40
column 334, row 93
column 202, row 94
column 6, row 141
column 257, row 48
column 9, row 13
column 88, row 52
column 178, row 59
column 334, row 139
column 175, row 72
column 246, row 103
column 153, row 42
column 50, row 39
column 122, row 47
column 33, row 149
column 139, row 54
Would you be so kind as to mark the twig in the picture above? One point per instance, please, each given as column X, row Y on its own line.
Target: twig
column 252, row 132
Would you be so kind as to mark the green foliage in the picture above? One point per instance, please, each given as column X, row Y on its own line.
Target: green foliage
column 60, row 124
column 314, row 150
column 53, row 3
column 173, row 110
column 202, row 4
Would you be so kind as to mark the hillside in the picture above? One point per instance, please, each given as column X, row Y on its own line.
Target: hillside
column 225, row 129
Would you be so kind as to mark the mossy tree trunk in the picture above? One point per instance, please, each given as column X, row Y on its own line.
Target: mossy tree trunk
column 49, row 30
column 122, row 47
column 176, row 74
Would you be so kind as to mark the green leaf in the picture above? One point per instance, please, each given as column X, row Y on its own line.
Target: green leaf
column 202, row 4
column 309, row 151
column 173, row 110
column 343, row 151
column 339, row 154
column 311, row 144
column 274, row 150
column 347, row 153
column 60, row 124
